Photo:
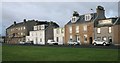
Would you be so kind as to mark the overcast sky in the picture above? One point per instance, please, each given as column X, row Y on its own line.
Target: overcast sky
column 60, row 12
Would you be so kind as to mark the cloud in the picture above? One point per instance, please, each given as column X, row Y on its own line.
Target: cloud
column 59, row 12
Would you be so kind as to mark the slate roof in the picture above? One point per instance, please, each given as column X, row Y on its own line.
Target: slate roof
column 33, row 22
column 82, row 19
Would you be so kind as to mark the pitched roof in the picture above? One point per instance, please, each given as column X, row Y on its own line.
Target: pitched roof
column 81, row 19
column 33, row 22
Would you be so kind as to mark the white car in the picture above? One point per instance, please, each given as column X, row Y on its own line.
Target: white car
column 21, row 42
column 60, row 43
column 73, row 43
column 52, row 42
column 98, row 42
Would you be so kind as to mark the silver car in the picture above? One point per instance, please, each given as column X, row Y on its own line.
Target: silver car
column 98, row 42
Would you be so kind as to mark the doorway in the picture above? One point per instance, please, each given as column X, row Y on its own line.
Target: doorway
column 90, row 40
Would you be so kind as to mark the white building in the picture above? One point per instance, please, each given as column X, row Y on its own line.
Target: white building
column 41, row 33
column 38, row 35
column 59, row 35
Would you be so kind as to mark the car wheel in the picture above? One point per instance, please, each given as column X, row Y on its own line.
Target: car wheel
column 104, row 44
column 94, row 44
column 74, row 44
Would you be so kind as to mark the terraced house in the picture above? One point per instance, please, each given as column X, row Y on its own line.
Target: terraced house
column 59, row 35
column 80, row 28
column 42, row 33
column 18, row 31
column 108, row 30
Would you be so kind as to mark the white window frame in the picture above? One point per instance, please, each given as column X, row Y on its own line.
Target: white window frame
column 57, row 31
column 110, row 29
column 35, row 27
column 77, row 29
column 24, row 28
column 85, row 38
column 70, row 36
column 70, row 29
column 98, row 30
column 85, row 28
column 88, row 17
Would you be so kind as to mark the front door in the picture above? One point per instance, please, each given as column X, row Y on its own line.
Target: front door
column 90, row 40
column 77, row 38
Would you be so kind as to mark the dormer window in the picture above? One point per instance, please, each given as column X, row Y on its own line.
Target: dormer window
column 87, row 17
column 74, row 19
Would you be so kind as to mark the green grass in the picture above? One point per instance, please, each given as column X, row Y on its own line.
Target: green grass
column 45, row 53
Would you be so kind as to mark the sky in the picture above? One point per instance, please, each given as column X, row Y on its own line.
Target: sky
column 59, row 12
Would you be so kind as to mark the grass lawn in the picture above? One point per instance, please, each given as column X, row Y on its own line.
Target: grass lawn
column 45, row 53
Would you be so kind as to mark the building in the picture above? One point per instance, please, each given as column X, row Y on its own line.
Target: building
column 80, row 28
column 59, row 35
column 108, row 30
column 17, row 31
column 2, row 39
column 42, row 33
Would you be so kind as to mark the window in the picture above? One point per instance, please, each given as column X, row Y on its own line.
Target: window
column 85, row 38
column 87, row 17
column 99, row 38
column 62, row 30
column 24, row 27
column 35, row 27
column 85, row 28
column 57, row 39
column 11, row 29
column 110, row 39
column 21, row 33
column 21, row 28
column 109, row 29
column 73, row 19
column 70, row 29
column 40, row 40
column 57, row 31
column 77, row 29
column 104, row 38
column 108, row 21
column 18, row 28
column 77, row 38
column 70, row 37
column 42, row 27
column 98, row 30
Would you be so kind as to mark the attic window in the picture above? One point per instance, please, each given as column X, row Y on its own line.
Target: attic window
column 87, row 17
column 73, row 19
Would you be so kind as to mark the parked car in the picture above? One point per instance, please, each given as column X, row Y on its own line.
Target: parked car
column 70, row 42
column 21, row 42
column 98, row 42
column 60, row 43
column 29, row 43
column 52, row 42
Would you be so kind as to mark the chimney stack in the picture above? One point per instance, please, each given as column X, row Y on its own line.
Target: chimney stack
column 24, row 20
column 14, row 22
column 76, row 14
column 100, row 12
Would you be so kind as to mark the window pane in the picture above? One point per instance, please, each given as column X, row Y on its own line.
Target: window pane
column 98, row 30
column 109, row 30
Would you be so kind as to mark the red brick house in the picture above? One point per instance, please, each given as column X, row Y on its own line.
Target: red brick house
column 81, row 27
